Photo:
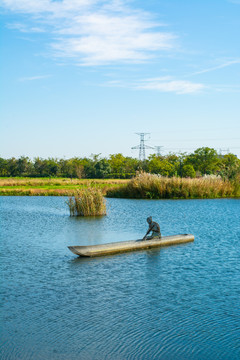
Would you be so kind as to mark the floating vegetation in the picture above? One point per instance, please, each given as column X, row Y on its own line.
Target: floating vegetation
column 87, row 202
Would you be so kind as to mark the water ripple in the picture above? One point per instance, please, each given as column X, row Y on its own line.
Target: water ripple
column 174, row 303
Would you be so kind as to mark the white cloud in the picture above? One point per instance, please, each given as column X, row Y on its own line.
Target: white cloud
column 95, row 32
column 167, row 84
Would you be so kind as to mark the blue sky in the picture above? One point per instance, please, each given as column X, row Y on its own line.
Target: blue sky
column 81, row 77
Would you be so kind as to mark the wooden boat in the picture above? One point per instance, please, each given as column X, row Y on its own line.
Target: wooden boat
column 124, row 246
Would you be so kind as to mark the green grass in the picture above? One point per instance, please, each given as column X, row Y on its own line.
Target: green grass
column 53, row 187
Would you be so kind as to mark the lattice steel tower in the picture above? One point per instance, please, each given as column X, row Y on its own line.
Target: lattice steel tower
column 142, row 146
column 158, row 149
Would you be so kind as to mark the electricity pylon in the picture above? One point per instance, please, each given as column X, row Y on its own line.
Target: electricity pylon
column 158, row 149
column 142, row 146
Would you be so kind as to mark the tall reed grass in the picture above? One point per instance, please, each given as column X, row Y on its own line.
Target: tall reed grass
column 149, row 186
column 87, row 202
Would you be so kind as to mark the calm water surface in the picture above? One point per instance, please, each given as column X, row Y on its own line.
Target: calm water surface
column 180, row 302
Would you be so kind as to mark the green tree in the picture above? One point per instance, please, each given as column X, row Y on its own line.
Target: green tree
column 188, row 171
column 24, row 166
column 172, row 158
column 4, row 167
column 52, row 167
column 204, row 159
column 64, row 168
column 89, row 168
column 159, row 165
column 38, row 167
column 117, row 163
column 44, row 168
column 229, row 166
column 102, row 169
column 77, row 167
column 130, row 166
column 12, row 167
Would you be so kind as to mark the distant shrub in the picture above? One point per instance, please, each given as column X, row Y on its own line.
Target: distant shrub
column 87, row 202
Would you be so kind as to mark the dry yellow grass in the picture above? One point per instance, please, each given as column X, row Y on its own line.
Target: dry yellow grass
column 148, row 186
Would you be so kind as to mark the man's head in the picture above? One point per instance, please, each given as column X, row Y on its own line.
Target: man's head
column 149, row 219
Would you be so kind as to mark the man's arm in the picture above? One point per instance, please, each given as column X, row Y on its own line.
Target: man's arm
column 150, row 228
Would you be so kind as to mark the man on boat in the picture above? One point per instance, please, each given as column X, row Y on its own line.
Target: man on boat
column 155, row 228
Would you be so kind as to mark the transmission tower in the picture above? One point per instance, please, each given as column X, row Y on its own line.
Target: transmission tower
column 158, row 149
column 142, row 146
column 224, row 150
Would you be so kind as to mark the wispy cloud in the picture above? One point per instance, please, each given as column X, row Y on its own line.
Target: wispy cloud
column 167, row 84
column 25, row 28
column 57, row 8
column 220, row 66
column 162, row 84
column 173, row 85
column 95, row 32
column 32, row 78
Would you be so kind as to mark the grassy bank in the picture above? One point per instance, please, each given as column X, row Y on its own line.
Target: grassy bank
column 143, row 186
column 147, row 186
column 53, row 187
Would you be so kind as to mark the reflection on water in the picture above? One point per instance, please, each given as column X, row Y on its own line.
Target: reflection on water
column 180, row 302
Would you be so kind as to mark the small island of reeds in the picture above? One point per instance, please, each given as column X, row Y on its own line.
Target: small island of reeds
column 87, row 202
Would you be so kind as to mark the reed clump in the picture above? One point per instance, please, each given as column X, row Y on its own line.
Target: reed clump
column 87, row 202
column 150, row 186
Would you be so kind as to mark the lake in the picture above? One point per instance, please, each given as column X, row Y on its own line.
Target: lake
column 178, row 302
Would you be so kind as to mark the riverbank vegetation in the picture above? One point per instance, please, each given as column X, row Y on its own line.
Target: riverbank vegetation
column 143, row 185
column 53, row 186
column 149, row 186
column 201, row 174
column 87, row 202
column 202, row 161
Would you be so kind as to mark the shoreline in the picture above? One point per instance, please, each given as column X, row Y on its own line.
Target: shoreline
column 145, row 186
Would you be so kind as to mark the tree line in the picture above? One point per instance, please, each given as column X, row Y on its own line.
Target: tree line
column 202, row 161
